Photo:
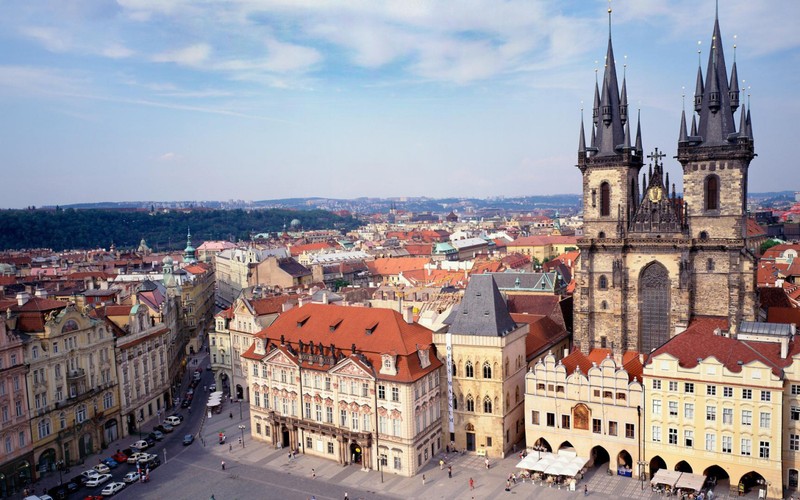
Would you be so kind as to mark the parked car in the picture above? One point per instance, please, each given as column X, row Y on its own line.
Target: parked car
column 188, row 439
column 132, row 477
column 88, row 474
column 134, row 458
column 151, row 441
column 178, row 415
column 212, row 387
column 98, row 480
column 102, row 468
column 112, row 489
column 112, row 464
column 157, row 435
column 167, row 428
column 120, row 457
column 140, row 445
column 185, row 403
column 173, row 421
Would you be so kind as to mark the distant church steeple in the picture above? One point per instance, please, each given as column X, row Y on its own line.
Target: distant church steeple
column 189, row 253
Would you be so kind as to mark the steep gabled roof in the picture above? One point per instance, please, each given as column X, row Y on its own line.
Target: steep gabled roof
column 483, row 310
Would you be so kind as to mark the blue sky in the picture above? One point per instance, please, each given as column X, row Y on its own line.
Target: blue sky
column 250, row 99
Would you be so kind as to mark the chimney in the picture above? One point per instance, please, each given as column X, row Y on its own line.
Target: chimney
column 286, row 306
column 104, row 285
column 41, row 293
column 324, row 297
column 22, row 298
column 408, row 315
column 301, row 301
column 566, row 352
column 90, row 284
column 784, row 347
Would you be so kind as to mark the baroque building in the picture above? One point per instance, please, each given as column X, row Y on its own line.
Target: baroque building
column 650, row 260
column 356, row 385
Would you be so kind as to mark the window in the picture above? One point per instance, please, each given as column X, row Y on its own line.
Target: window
column 9, row 445
column 565, row 422
column 765, row 420
column 255, row 370
column 672, row 436
column 108, row 401
column 307, row 410
column 309, row 443
column 727, row 444
column 396, row 427
column 612, row 428
column 551, row 420
column 487, row 370
column 317, row 412
column 656, row 384
column 534, row 417
column 763, row 449
column 381, row 392
column 398, row 464
column 330, row 448
column 711, row 442
column 673, row 408
column 629, row 431
column 711, row 413
column 487, row 405
column 794, row 442
column 688, row 410
column 795, row 389
column 688, row 388
column 657, row 407
column 688, row 438
column 711, row 390
column 327, row 383
column 488, row 441
column 747, row 447
column 747, row 393
column 712, row 192
column 80, row 414
column 727, row 416
column 470, row 403
column 468, row 369
column 794, row 413
column 44, row 428
column 364, row 390
column 329, row 414
column 656, row 434
column 395, row 394
column 747, row 417
column 354, row 420
column 602, row 282
column 382, row 424
column 605, row 199
column 597, row 426
column 343, row 418
column 727, row 392
column 766, row 396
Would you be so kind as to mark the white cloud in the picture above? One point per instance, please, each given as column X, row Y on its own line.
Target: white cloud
column 170, row 156
column 117, row 51
column 193, row 55
column 50, row 38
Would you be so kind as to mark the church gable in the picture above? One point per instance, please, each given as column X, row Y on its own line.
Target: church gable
column 658, row 212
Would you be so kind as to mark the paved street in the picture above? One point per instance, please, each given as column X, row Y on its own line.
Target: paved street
column 263, row 472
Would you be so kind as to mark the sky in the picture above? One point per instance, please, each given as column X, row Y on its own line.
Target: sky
column 260, row 99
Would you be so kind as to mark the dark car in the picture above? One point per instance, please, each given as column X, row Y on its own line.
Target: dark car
column 150, row 464
column 151, row 440
column 188, row 439
column 185, row 403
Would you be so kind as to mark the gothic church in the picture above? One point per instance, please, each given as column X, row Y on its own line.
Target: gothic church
column 652, row 260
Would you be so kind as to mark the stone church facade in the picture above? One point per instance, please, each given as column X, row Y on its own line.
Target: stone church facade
column 650, row 259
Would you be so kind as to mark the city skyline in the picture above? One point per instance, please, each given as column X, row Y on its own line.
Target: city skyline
column 261, row 100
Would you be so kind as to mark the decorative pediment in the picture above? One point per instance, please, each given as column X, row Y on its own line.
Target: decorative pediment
column 280, row 358
column 350, row 368
column 388, row 364
column 424, row 357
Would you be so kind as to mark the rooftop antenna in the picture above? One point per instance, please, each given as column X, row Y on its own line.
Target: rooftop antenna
column 595, row 71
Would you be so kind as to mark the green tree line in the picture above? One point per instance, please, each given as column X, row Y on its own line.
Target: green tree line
column 62, row 229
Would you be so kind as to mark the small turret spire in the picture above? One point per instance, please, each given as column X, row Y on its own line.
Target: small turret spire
column 682, row 137
column 623, row 101
column 749, row 123
column 743, row 122
column 639, row 132
column 734, row 86
column 699, row 88
column 694, row 125
column 626, row 144
column 582, row 139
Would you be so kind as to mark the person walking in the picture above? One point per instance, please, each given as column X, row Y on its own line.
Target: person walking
column 471, row 484
column 450, row 471
column 423, row 480
column 223, row 465
column 313, row 474
column 508, row 485
column 486, row 462
column 441, row 464
column 585, row 490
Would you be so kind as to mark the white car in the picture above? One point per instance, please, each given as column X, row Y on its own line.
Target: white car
column 137, row 457
column 173, row 421
column 98, row 480
column 102, row 469
column 140, row 445
column 112, row 489
column 89, row 474
column 132, row 477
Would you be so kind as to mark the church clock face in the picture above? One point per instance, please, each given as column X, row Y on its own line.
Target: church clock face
column 655, row 193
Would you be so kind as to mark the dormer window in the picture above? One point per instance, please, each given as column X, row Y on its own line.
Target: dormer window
column 388, row 364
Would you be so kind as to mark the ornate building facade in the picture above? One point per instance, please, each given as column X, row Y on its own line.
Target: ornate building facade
column 375, row 403
column 650, row 260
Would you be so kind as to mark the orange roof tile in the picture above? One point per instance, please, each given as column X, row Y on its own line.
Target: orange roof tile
column 392, row 267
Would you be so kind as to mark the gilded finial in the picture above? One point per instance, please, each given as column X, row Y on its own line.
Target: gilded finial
column 683, row 97
column 625, row 65
column 734, row 47
column 609, row 19
column 699, row 53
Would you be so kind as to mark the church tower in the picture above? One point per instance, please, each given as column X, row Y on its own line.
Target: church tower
column 650, row 260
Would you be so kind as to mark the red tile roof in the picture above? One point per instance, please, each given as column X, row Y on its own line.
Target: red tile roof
column 271, row 305
column 393, row 267
column 542, row 240
column 631, row 362
column 196, row 268
column 543, row 333
column 786, row 315
column 296, row 250
column 699, row 341
column 754, row 230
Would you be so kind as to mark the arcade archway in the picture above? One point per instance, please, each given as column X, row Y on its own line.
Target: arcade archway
column 683, row 466
column 541, row 444
column 599, row 456
column 656, row 463
column 751, row 481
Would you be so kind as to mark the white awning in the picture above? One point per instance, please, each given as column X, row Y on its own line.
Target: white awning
column 666, row 476
column 691, row 481
column 544, row 463
column 528, row 462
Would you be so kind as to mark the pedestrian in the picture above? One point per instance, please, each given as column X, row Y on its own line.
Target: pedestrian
column 223, row 465
column 313, row 474
column 508, row 485
column 585, row 490
column 230, row 445
column 441, row 464
column 423, row 480
column 471, row 484
column 345, row 496
column 290, row 456
column 447, row 449
column 450, row 471
column 230, row 414
column 513, row 478
column 486, row 462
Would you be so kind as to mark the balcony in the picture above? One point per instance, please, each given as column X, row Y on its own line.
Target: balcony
column 75, row 375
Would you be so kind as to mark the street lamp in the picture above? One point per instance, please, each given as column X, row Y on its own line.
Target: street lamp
column 241, row 428
column 641, row 471
column 60, row 467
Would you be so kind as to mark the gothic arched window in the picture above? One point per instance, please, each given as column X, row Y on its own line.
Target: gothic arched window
column 602, row 283
column 470, row 403
column 654, row 300
column 455, row 403
column 487, row 405
column 469, row 370
column 454, row 369
column 712, row 192
column 487, row 370
column 605, row 199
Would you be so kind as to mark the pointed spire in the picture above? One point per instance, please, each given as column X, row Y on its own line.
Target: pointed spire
column 734, row 87
column 582, row 139
column 610, row 129
column 698, row 90
column 694, row 125
column 639, row 133
column 626, row 144
column 596, row 109
column 716, row 124
column 682, row 137
column 594, row 139
column 666, row 182
column 743, row 122
column 623, row 102
column 749, row 124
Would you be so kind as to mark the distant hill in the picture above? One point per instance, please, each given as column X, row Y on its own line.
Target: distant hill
column 69, row 228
